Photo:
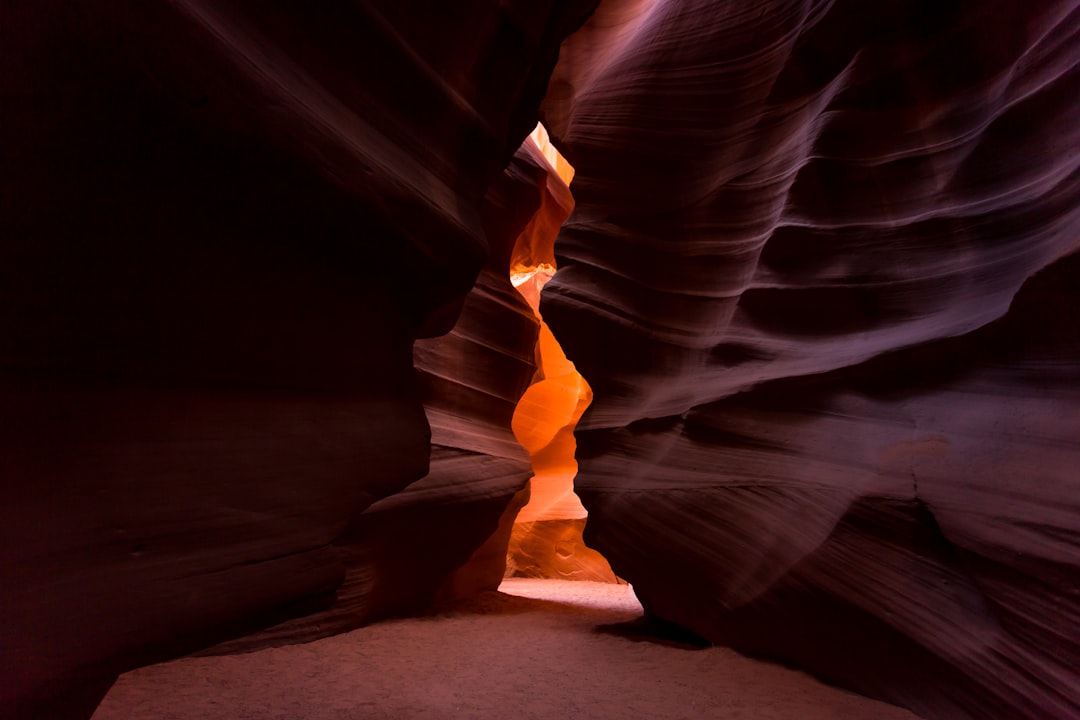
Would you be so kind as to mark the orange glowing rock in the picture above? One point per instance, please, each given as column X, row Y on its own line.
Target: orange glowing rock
column 555, row 549
column 546, row 539
column 558, row 163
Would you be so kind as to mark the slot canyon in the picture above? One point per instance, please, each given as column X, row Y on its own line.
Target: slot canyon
column 308, row 328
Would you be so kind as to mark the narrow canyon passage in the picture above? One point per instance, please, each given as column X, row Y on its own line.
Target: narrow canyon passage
column 282, row 405
column 538, row 649
column 547, row 538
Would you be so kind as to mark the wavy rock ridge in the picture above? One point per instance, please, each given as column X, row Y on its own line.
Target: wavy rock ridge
column 224, row 226
column 818, row 276
column 546, row 540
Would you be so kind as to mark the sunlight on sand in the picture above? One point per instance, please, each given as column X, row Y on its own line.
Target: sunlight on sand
column 592, row 595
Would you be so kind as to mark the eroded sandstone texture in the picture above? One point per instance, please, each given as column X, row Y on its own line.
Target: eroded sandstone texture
column 546, row 539
column 446, row 534
column 821, row 279
column 224, row 225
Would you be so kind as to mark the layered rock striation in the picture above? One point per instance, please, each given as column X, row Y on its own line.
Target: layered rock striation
column 546, row 540
column 224, row 226
column 446, row 535
column 820, row 278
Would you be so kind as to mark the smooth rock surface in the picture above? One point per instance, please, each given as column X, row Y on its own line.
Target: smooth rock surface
column 224, row 226
column 819, row 279
column 555, row 549
column 546, row 538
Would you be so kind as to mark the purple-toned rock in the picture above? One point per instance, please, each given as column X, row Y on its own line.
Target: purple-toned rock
column 224, row 226
column 819, row 279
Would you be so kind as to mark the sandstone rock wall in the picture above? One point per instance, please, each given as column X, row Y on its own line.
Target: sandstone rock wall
column 224, row 226
column 819, row 279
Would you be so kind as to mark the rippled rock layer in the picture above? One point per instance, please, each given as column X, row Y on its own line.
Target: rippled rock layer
column 819, row 279
column 224, row 226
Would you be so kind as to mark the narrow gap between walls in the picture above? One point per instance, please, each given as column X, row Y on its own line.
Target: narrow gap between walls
column 546, row 541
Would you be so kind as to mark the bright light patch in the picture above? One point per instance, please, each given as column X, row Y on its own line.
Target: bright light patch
column 563, row 169
column 546, row 540
column 523, row 275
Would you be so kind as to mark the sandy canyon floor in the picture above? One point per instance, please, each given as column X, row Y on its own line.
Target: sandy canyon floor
column 538, row 649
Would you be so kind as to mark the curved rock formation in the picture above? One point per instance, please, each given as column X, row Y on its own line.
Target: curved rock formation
column 224, row 225
column 546, row 540
column 818, row 278
column 446, row 534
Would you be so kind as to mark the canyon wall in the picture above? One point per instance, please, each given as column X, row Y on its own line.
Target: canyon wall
column 821, row 277
column 446, row 535
column 224, row 226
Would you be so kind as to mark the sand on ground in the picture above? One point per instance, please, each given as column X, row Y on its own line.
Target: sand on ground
column 539, row 649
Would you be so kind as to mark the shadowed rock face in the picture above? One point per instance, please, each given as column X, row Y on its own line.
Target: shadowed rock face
column 224, row 225
column 819, row 279
column 446, row 534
